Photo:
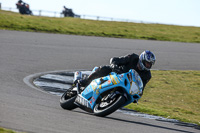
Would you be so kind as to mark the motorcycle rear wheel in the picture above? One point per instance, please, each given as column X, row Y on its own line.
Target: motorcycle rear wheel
column 67, row 100
column 103, row 109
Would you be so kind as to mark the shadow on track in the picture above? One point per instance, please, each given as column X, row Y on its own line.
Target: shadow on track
column 150, row 125
column 145, row 124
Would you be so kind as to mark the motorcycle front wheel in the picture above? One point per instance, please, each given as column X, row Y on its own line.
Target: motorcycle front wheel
column 104, row 108
column 67, row 100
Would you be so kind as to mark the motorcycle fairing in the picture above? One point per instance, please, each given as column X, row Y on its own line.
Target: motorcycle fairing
column 98, row 86
column 128, row 81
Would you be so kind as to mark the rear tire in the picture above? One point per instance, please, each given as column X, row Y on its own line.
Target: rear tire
column 67, row 100
column 112, row 107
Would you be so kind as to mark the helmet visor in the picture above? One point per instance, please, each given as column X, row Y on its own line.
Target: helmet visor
column 147, row 64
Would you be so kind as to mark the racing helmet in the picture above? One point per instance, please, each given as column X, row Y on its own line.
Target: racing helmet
column 146, row 60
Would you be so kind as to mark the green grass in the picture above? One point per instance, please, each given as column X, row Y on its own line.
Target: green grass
column 3, row 130
column 172, row 94
column 76, row 26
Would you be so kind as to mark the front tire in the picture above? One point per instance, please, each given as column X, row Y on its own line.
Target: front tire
column 67, row 100
column 100, row 110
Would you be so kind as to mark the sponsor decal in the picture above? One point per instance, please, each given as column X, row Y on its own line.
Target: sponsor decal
column 121, row 76
column 114, row 80
column 94, row 85
column 129, row 75
column 92, row 100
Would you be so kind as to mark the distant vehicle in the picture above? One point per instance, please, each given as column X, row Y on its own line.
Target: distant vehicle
column 23, row 8
column 69, row 13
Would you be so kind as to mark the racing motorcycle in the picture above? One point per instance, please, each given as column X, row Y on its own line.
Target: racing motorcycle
column 104, row 95
column 24, row 8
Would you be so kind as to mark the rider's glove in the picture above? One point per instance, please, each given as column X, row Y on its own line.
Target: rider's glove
column 81, row 82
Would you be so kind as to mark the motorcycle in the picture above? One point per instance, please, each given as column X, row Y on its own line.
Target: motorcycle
column 24, row 8
column 104, row 95
column 69, row 13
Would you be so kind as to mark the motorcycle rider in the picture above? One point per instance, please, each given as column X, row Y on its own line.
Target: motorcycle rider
column 141, row 63
column 19, row 4
column 23, row 7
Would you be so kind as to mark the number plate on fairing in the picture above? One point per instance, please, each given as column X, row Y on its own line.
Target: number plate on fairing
column 81, row 100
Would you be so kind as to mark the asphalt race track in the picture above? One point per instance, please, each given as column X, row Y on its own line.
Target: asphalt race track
column 26, row 109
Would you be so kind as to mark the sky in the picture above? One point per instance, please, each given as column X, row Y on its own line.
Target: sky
column 173, row 12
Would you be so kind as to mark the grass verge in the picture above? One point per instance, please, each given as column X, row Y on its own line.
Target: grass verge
column 172, row 94
column 3, row 130
column 76, row 26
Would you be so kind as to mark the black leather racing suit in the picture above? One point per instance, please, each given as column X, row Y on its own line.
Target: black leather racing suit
column 124, row 63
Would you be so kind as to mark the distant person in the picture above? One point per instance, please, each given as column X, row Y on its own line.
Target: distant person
column 67, row 12
column 19, row 3
column 23, row 7
column 65, row 8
